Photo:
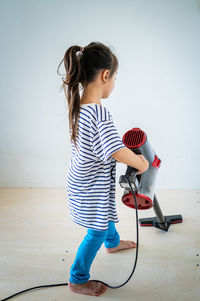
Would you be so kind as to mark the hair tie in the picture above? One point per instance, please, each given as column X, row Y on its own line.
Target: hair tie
column 81, row 49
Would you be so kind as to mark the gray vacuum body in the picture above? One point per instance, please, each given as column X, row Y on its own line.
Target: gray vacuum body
column 145, row 183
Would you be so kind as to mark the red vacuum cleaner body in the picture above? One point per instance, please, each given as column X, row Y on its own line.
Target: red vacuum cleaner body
column 136, row 140
column 144, row 184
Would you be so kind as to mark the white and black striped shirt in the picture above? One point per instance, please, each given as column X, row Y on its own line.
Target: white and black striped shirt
column 92, row 171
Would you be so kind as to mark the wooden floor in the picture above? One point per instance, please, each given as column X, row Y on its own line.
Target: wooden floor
column 38, row 243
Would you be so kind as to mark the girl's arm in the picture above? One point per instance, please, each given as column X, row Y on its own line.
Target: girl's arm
column 128, row 157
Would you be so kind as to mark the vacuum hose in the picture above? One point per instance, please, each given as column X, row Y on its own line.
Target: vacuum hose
column 126, row 177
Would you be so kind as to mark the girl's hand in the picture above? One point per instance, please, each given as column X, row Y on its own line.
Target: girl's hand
column 143, row 158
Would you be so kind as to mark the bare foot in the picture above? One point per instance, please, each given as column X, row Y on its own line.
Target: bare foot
column 93, row 288
column 124, row 244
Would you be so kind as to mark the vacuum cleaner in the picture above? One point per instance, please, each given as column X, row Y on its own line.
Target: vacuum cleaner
column 139, row 193
column 144, row 184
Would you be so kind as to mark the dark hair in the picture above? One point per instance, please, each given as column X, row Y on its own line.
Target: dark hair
column 83, row 69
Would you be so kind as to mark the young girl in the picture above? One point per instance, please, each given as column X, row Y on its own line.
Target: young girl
column 96, row 146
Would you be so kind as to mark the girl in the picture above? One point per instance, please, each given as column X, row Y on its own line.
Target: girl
column 96, row 146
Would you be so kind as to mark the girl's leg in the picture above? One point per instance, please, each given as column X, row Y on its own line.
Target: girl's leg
column 112, row 238
column 86, row 253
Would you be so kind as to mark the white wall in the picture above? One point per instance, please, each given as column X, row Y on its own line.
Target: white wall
column 157, row 43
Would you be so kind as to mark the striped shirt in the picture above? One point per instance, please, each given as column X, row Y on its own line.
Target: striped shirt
column 92, row 170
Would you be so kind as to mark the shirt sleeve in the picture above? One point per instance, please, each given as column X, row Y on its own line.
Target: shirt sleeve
column 106, row 139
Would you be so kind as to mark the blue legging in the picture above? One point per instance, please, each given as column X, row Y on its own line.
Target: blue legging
column 88, row 249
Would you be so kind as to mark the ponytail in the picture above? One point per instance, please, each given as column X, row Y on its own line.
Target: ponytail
column 82, row 66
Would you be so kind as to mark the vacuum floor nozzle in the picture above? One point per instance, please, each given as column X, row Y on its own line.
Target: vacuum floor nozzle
column 153, row 221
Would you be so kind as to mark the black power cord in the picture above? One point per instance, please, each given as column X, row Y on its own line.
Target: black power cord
column 50, row 285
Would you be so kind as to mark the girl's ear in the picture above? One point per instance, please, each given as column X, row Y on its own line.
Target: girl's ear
column 106, row 73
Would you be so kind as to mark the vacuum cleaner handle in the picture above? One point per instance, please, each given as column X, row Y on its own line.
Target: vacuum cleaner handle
column 131, row 171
